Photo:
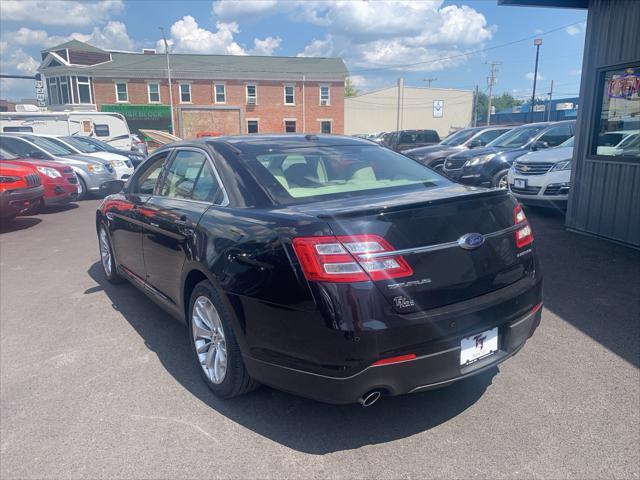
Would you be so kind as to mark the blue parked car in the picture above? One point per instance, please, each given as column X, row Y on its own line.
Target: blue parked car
column 490, row 165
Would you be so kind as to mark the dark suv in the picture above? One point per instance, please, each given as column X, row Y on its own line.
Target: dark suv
column 406, row 139
column 434, row 155
column 489, row 166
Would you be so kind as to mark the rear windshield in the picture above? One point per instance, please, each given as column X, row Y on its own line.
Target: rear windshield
column 419, row 136
column 516, row 138
column 326, row 172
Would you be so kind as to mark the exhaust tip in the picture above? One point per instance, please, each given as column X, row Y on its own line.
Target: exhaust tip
column 369, row 399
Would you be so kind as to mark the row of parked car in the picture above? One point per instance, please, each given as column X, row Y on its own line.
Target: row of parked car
column 38, row 170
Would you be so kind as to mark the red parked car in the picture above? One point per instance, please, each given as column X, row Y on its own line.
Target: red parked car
column 59, row 181
column 20, row 190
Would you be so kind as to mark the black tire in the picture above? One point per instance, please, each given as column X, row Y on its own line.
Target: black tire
column 112, row 272
column 236, row 380
column 498, row 177
column 84, row 193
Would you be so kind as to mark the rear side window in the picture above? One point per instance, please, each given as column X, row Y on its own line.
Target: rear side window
column 101, row 130
column 18, row 129
column 336, row 171
column 190, row 177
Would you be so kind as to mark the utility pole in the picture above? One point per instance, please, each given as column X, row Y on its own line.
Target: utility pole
column 475, row 107
column 491, row 81
column 166, row 52
column 549, row 107
column 537, row 42
column 400, row 95
column 429, row 80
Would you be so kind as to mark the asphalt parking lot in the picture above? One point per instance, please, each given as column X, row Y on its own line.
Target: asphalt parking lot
column 97, row 382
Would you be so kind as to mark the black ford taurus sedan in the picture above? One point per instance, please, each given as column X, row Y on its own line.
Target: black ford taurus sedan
column 325, row 266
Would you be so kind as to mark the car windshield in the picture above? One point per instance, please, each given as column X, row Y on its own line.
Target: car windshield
column 567, row 143
column 5, row 155
column 82, row 146
column 518, row 137
column 51, row 145
column 336, row 171
column 458, row 138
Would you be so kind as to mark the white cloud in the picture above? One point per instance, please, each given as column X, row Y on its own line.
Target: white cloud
column 576, row 72
column 529, row 76
column 188, row 37
column 572, row 30
column 267, row 46
column 388, row 33
column 59, row 12
column 234, row 8
column 113, row 36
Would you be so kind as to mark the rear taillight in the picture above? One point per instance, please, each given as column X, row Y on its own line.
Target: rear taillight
column 347, row 259
column 524, row 235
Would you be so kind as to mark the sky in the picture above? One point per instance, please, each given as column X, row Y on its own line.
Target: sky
column 380, row 41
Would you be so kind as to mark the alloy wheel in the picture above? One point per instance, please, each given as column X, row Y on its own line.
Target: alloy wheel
column 209, row 339
column 105, row 251
column 502, row 183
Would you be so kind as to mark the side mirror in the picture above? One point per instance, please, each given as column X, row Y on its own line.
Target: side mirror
column 111, row 186
column 476, row 143
column 540, row 145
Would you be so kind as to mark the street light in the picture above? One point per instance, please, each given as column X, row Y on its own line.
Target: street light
column 537, row 42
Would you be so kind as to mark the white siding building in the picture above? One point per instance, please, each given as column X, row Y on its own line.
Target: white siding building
column 440, row 109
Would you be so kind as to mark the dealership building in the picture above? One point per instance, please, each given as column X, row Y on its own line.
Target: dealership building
column 220, row 94
column 604, row 198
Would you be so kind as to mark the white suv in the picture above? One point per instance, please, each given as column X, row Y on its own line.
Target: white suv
column 542, row 178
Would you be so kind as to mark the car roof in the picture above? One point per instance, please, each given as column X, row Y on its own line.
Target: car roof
column 280, row 140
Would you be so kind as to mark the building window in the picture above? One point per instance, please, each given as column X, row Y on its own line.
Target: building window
column 325, row 126
column 122, row 94
column 52, row 87
column 64, row 90
column 220, row 93
column 615, row 133
column 325, row 98
column 289, row 95
column 153, row 91
column 252, row 95
column 252, row 126
column 84, row 89
column 185, row 93
column 290, row 126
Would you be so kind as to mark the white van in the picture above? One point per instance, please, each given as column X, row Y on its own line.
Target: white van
column 109, row 127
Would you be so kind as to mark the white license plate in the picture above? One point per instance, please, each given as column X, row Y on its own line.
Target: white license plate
column 478, row 346
column 520, row 182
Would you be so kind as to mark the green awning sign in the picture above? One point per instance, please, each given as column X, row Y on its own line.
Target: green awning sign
column 140, row 112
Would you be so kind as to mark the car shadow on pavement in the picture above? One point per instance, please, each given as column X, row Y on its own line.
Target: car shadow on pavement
column 19, row 223
column 591, row 283
column 57, row 208
column 298, row 423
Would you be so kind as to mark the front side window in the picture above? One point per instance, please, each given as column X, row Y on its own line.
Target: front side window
column 84, row 89
column 491, row 135
column 289, row 95
column 84, row 147
column 122, row 95
column 556, row 135
column 252, row 94
column 252, row 126
column 154, row 92
column 324, row 95
column 185, row 93
column 458, row 138
column 290, row 126
column 617, row 124
column 220, row 93
column 335, row 171
column 325, row 126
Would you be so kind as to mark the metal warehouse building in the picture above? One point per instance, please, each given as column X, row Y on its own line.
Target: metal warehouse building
column 605, row 194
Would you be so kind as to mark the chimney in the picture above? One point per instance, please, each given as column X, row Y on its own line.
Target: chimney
column 149, row 51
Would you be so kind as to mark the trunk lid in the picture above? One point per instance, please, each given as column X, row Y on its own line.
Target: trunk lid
column 422, row 220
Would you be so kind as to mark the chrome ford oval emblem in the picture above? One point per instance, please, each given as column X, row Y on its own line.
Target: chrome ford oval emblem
column 470, row 241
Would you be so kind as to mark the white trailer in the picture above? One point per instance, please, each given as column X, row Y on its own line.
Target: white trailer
column 109, row 127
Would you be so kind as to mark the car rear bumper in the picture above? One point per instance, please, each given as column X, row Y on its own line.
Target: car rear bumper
column 429, row 370
column 16, row 202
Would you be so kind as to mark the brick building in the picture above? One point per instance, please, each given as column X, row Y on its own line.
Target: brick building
column 227, row 94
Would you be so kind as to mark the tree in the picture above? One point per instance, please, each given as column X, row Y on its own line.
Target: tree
column 499, row 102
column 350, row 89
